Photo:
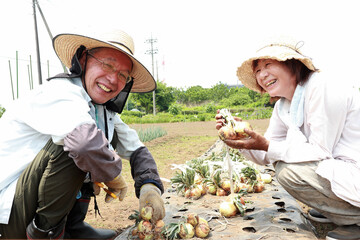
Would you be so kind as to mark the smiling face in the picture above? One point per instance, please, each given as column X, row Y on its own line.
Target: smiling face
column 275, row 78
column 101, row 84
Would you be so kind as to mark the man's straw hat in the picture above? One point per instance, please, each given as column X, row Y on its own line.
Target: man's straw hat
column 281, row 49
column 65, row 46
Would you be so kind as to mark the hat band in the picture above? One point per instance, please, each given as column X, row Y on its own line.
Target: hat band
column 294, row 48
column 118, row 43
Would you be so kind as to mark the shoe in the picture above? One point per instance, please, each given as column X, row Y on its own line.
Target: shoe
column 33, row 231
column 317, row 217
column 347, row 232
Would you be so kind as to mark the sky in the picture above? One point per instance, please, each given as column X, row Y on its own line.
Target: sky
column 198, row 42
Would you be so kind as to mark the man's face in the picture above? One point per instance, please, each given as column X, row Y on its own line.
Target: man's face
column 106, row 73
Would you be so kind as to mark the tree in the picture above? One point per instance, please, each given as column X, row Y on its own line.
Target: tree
column 219, row 91
column 164, row 97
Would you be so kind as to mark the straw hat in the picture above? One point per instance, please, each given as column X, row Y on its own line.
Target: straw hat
column 65, row 46
column 280, row 49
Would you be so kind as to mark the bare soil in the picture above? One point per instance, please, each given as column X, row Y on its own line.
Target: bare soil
column 184, row 141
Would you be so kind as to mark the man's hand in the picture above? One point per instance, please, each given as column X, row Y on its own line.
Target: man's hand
column 150, row 196
column 117, row 186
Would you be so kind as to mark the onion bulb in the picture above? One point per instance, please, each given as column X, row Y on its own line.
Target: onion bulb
column 211, row 189
column 186, row 231
column 221, row 192
column 228, row 209
column 239, row 129
column 192, row 218
column 146, row 213
column 266, row 177
column 202, row 230
column 226, row 132
column 144, row 226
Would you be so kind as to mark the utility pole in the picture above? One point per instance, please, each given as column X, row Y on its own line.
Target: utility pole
column 49, row 32
column 37, row 43
column 152, row 51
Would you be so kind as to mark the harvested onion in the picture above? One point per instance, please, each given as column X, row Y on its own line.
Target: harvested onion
column 228, row 209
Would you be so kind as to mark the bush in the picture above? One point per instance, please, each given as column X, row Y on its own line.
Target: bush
column 175, row 109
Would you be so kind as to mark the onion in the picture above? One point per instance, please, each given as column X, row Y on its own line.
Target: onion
column 202, row 189
column 221, row 192
column 211, row 189
column 202, row 220
column 226, row 132
column 202, row 230
column 146, row 213
column 259, row 187
column 134, row 232
column 195, row 193
column 149, row 236
column 144, row 226
column 159, row 227
column 266, row 177
column 188, row 193
column 228, row 209
column 192, row 218
column 186, row 231
column 225, row 184
column 239, row 129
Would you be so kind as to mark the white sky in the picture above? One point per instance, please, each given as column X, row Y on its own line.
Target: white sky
column 201, row 42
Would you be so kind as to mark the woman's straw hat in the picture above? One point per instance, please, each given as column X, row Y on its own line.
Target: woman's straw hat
column 65, row 46
column 281, row 49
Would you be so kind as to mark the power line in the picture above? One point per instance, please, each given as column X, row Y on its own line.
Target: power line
column 152, row 51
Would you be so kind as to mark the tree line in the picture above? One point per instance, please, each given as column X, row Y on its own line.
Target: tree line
column 220, row 94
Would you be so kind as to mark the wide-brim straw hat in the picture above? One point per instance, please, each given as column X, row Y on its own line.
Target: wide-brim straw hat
column 280, row 49
column 65, row 46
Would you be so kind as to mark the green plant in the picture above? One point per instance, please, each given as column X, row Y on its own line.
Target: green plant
column 175, row 109
column 151, row 133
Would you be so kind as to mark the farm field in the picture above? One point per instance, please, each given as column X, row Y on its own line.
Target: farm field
column 184, row 141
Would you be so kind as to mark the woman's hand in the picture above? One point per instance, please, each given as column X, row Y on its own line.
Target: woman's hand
column 254, row 142
column 220, row 121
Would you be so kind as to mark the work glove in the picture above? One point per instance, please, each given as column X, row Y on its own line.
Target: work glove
column 150, row 195
column 117, row 188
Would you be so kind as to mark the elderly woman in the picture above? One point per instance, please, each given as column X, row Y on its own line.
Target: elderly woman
column 313, row 136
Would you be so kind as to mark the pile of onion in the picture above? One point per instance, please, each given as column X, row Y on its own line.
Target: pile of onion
column 191, row 226
column 144, row 227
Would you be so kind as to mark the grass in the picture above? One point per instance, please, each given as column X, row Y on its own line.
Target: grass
column 151, row 133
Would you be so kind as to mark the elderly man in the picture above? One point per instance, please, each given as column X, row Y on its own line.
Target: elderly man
column 67, row 135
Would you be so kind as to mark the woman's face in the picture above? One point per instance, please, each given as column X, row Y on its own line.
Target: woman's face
column 103, row 84
column 275, row 78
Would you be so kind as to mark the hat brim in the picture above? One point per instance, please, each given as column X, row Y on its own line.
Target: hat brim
column 65, row 46
column 245, row 72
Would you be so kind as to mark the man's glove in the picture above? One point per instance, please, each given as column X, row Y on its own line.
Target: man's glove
column 117, row 186
column 150, row 195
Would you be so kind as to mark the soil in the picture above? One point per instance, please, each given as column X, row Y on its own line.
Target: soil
column 184, row 141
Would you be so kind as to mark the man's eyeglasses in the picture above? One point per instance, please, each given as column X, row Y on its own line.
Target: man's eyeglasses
column 121, row 75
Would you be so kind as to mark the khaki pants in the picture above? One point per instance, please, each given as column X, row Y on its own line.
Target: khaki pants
column 301, row 181
column 47, row 188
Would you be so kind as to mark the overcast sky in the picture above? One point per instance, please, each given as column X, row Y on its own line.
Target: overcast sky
column 199, row 42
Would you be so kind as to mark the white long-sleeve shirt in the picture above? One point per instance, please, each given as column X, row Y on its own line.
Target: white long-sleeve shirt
column 330, row 132
column 50, row 112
